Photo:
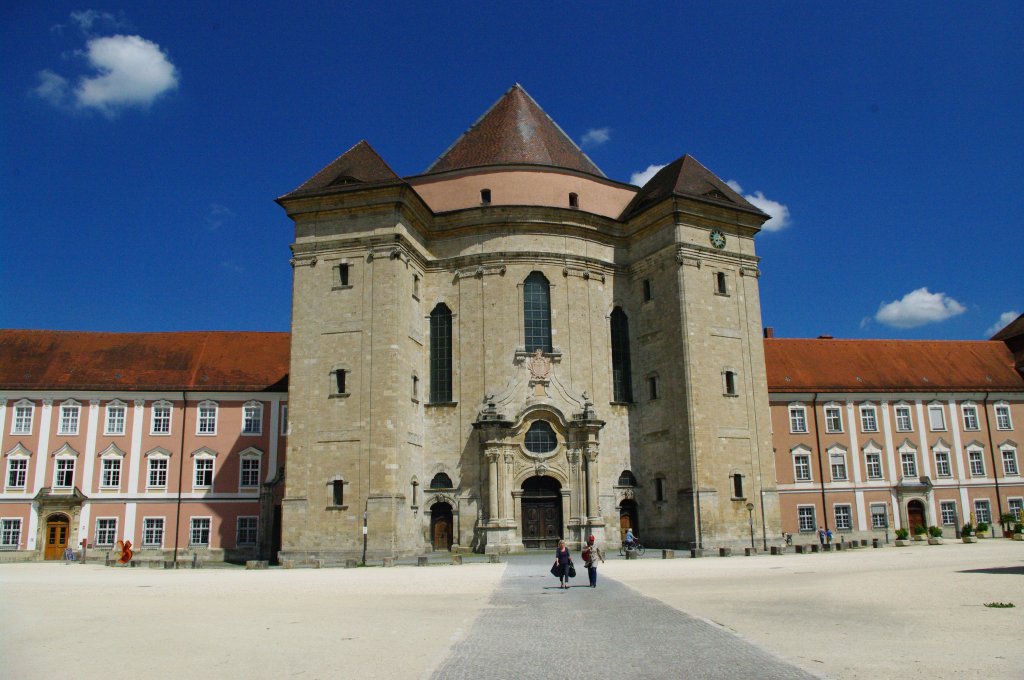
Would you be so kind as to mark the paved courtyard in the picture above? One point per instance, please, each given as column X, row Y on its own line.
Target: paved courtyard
column 915, row 612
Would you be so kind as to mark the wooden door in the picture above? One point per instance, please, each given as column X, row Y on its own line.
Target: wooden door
column 441, row 526
column 57, row 536
column 542, row 523
column 915, row 516
column 627, row 518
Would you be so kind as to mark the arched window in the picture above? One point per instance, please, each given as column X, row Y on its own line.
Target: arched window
column 441, row 354
column 626, row 478
column 441, row 481
column 537, row 313
column 540, row 438
column 622, row 378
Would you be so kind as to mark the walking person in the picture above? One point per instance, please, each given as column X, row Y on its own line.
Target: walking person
column 828, row 537
column 821, row 537
column 591, row 554
column 562, row 562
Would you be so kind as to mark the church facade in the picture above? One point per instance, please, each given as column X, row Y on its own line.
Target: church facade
column 511, row 348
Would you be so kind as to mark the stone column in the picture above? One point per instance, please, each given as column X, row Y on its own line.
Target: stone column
column 506, row 505
column 492, row 487
column 592, row 489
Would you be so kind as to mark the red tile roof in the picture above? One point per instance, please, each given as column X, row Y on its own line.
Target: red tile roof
column 825, row 365
column 686, row 177
column 514, row 130
column 207, row 361
column 359, row 165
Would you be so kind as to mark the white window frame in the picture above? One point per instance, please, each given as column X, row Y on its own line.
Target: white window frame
column 846, row 525
column 151, row 457
column 162, row 404
column 969, row 413
column 206, row 418
column 250, row 455
column 904, row 418
column 257, row 419
column 975, row 454
column 943, row 517
column 834, row 454
column 21, row 457
column 99, row 537
column 884, row 507
column 912, row 453
column 255, row 529
column 112, row 408
column 63, row 458
column 801, row 515
column 69, row 417
column 147, row 531
column 797, row 453
column 285, row 428
column 936, row 410
column 105, row 482
column 205, row 456
column 20, row 423
column 868, row 418
column 1008, row 454
column 873, row 458
column 986, row 504
column 942, row 458
column 1016, row 507
column 1003, row 418
column 833, row 418
column 797, row 417
column 193, row 528
column 10, row 532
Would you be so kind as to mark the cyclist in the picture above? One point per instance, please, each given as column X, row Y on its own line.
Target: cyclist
column 630, row 539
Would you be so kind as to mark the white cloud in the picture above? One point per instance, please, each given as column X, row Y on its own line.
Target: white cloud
column 232, row 266
column 129, row 71
column 88, row 19
column 596, row 136
column 218, row 215
column 778, row 212
column 917, row 308
column 641, row 178
column 1004, row 319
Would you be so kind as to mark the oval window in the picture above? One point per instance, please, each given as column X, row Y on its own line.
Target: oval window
column 540, row 438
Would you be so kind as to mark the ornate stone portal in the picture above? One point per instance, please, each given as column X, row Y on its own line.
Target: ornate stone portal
column 552, row 433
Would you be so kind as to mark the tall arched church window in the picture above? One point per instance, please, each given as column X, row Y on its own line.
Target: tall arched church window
column 537, row 313
column 622, row 379
column 441, row 354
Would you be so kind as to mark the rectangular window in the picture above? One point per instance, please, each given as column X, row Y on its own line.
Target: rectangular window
column 252, row 419
column 250, row 472
column 110, row 473
column 64, row 474
column 342, row 270
column 721, row 283
column 17, row 472
column 652, row 387
column 68, row 420
column 942, row 468
column 833, row 419
column 647, row 290
column 10, row 534
column 844, row 517
column 1003, row 417
column 977, row 463
column 106, row 531
column 936, row 418
column 161, row 419
column 1010, row 462
column 203, row 473
column 805, row 517
column 284, row 420
column 339, row 381
column 873, row 461
column 200, row 531
column 903, row 421
column 737, row 486
column 802, row 467
column 837, row 460
column 247, row 532
column 153, row 532
column 797, row 419
column 659, row 489
column 971, row 418
column 982, row 511
column 909, row 462
column 115, row 420
column 947, row 509
column 22, row 419
column 868, row 419
column 730, row 383
column 879, row 516
column 338, row 492
column 1016, row 507
column 207, row 423
column 157, row 474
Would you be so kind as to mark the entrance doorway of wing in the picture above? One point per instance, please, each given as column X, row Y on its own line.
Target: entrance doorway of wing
column 542, row 512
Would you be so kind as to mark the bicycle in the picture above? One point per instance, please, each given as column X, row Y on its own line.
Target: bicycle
column 637, row 548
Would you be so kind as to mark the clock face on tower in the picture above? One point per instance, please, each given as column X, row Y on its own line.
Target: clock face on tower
column 717, row 239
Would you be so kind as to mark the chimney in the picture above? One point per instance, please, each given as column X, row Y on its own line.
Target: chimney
column 769, row 332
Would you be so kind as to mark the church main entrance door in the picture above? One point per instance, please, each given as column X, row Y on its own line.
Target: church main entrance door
column 542, row 512
column 58, row 530
column 441, row 524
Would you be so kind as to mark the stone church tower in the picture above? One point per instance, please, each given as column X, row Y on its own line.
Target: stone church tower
column 511, row 348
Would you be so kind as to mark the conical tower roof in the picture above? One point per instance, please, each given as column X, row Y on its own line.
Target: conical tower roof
column 359, row 165
column 686, row 177
column 514, row 130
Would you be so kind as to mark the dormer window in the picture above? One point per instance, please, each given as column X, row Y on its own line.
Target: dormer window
column 485, row 197
column 574, row 200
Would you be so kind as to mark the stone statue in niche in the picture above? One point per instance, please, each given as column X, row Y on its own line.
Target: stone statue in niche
column 539, row 365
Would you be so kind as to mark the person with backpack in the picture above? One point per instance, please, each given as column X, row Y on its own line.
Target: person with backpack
column 591, row 554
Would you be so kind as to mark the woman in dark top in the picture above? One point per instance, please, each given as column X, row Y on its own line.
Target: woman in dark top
column 562, row 561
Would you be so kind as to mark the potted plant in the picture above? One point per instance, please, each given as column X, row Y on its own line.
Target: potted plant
column 919, row 532
column 901, row 538
column 1018, row 532
column 1007, row 520
column 934, row 535
column 980, row 530
column 967, row 534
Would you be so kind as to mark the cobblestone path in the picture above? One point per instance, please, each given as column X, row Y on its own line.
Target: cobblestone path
column 532, row 629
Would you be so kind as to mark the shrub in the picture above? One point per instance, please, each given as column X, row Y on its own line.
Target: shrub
column 935, row 532
column 1018, row 528
column 967, row 530
column 901, row 534
column 982, row 527
column 919, row 530
column 1007, row 519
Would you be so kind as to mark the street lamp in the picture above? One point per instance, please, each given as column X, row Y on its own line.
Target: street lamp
column 750, row 511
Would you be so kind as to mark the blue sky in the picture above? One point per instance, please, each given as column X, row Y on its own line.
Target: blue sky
column 142, row 144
